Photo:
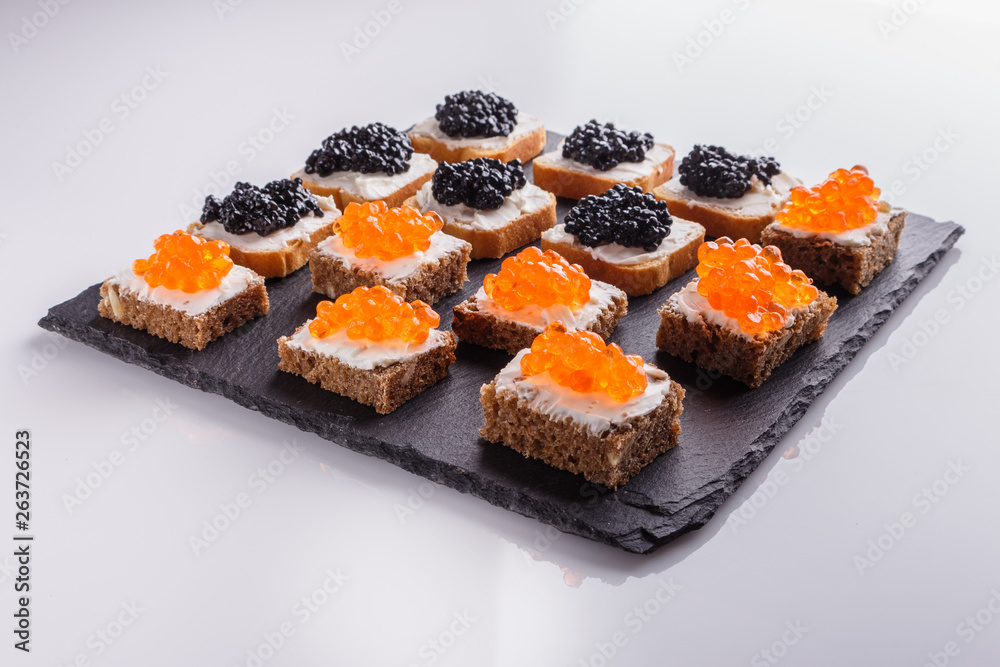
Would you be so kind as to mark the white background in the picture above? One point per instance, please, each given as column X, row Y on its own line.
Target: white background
column 784, row 550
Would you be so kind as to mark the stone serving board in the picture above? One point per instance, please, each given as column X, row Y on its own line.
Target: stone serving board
column 727, row 429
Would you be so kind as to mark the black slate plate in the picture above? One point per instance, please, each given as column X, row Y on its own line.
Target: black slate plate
column 727, row 429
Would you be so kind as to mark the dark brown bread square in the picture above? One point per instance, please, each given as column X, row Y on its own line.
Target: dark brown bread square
column 431, row 282
column 718, row 220
column 192, row 331
column 485, row 329
column 829, row 263
column 747, row 359
column 565, row 444
column 385, row 389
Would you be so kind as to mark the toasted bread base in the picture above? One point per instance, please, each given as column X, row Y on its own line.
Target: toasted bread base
column 748, row 359
column 564, row 444
column 277, row 263
column 829, row 263
column 633, row 279
column 487, row 330
column 522, row 149
column 578, row 184
column 343, row 197
column 495, row 243
column 431, row 282
column 716, row 220
column 385, row 389
column 191, row 331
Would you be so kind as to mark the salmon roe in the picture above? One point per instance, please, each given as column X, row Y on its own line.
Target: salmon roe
column 846, row 200
column 374, row 313
column 581, row 361
column 751, row 284
column 185, row 262
column 374, row 229
column 538, row 278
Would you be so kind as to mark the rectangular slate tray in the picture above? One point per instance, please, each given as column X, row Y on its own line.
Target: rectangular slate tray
column 727, row 429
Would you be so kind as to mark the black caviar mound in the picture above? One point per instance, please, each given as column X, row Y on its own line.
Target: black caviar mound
column 604, row 146
column 473, row 113
column 277, row 205
column 482, row 183
column 712, row 171
column 374, row 147
column 623, row 215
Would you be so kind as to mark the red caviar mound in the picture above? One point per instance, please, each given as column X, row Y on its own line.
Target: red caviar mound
column 374, row 229
column 751, row 284
column 581, row 361
column 374, row 313
column 538, row 278
column 846, row 200
column 185, row 262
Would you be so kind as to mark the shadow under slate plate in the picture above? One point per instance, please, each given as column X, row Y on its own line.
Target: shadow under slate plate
column 727, row 429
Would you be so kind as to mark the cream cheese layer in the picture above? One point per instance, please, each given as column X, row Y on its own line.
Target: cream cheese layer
column 623, row 171
column 393, row 270
column 278, row 239
column 696, row 308
column 602, row 296
column 759, row 200
column 857, row 237
column 430, row 127
column 376, row 185
column 234, row 282
column 363, row 354
column 595, row 411
column 682, row 232
column 528, row 199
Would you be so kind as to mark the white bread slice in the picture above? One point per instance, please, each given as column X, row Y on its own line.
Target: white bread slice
column 727, row 217
column 393, row 190
column 567, row 178
column 493, row 242
column 677, row 254
column 525, row 142
column 273, row 262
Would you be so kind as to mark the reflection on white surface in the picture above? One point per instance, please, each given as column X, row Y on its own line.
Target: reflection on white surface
column 487, row 586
